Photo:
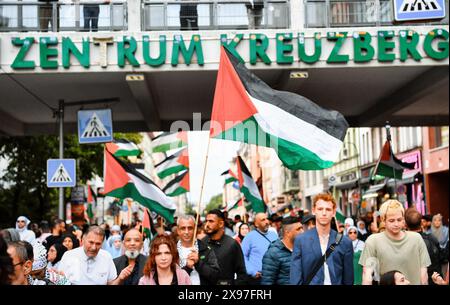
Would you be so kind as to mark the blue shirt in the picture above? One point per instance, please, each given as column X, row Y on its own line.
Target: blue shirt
column 254, row 246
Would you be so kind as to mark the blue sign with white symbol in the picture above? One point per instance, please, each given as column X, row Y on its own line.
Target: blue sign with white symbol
column 95, row 126
column 61, row 173
column 407, row 10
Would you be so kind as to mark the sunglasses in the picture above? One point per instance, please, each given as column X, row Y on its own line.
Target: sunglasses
column 21, row 221
column 351, row 232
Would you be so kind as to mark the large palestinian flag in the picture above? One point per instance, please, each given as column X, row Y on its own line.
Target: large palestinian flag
column 249, row 187
column 123, row 148
column 304, row 135
column 388, row 165
column 229, row 176
column 175, row 163
column 169, row 140
column 123, row 181
column 178, row 186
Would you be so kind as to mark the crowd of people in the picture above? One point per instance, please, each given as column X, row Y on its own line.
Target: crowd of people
column 392, row 246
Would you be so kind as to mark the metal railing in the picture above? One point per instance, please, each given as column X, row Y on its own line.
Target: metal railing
column 213, row 15
column 345, row 13
column 69, row 15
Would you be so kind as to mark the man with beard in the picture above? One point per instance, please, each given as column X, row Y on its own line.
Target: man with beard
column 255, row 245
column 199, row 261
column 21, row 226
column 227, row 250
column 130, row 266
column 58, row 228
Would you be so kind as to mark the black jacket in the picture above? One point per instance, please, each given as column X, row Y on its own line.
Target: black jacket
column 230, row 258
column 207, row 265
column 121, row 263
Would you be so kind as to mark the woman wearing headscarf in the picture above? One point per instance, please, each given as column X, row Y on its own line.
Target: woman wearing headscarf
column 439, row 231
column 358, row 247
column 349, row 222
column 70, row 241
column 242, row 231
column 25, row 234
column 115, row 246
column 54, row 255
column 362, row 232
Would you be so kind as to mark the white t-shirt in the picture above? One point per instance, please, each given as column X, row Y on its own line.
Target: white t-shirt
column 80, row 270
column 195, row 277
column 327, row 279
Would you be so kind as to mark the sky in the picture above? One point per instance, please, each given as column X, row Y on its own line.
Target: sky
column 220, row 154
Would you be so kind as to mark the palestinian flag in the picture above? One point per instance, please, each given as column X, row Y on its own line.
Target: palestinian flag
column 249, row 187
column 123, row 181
column 91, row 198
column 178, row 186
column 388, row 165
column 169, row 140
column 123, row 148
column 173, row 164
column 229, row 176
column 239, row 203
column 304, row 135
column 148, row 228
column 340, row 216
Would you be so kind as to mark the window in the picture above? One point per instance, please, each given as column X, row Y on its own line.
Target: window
column 441, row 136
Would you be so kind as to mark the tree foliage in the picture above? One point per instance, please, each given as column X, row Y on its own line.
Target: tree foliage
column 23, row 187
column 214, row 203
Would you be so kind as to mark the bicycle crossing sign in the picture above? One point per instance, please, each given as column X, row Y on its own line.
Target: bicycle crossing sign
column 61, row 173
column 95, row 126
column 408, row 10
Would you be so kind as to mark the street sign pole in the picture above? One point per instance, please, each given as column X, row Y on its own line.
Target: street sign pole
column 61, row 155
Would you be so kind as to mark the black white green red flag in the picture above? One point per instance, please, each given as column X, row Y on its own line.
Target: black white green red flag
column 123, row 181
column 123, row 148
column 169, row 140
column 178, row 186
column 249, row 188
column 388, row 165
column 304, row 135
column 175, row 163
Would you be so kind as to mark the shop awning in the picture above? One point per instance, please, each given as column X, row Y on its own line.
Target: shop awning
column 351, row 184
column 373, row 190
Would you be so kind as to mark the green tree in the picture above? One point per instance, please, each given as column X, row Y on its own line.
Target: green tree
column 214, row 203
column 23, row 187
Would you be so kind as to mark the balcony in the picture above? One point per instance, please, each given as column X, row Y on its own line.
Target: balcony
column 342, row 13
column 212, row 15
column 21, row 16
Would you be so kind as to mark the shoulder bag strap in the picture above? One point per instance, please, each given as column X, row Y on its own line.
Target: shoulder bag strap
column 323, row 259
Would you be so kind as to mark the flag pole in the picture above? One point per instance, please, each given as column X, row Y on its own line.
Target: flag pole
column 389, row 138
column 201, row 193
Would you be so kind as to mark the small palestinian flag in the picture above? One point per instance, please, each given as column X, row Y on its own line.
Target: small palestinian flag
column 304, row 135
column 229, row 176
column 123, row 181
column 388, row 165
column 239, row 203
column 178, row 186
column 249, row 187
column 91, row 198
column 169, row 140
column 123, row 148
column 148, row 228
column 173, row 164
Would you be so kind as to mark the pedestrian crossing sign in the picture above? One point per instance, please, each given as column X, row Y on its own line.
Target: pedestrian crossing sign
column 95, row 126
column 61, row 173
column 408, row 10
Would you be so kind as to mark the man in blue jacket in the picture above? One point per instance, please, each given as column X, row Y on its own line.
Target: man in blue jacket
column 310, row 246
column 277, row 260
column 255, row 245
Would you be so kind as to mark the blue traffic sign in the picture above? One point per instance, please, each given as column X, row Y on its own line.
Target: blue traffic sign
column 408, row 10
column 61, row 173
column 95, row 126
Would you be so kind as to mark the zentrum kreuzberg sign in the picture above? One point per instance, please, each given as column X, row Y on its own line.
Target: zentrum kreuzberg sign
column 385, row 46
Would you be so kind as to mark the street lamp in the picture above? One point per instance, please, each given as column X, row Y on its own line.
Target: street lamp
column 357, row 173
